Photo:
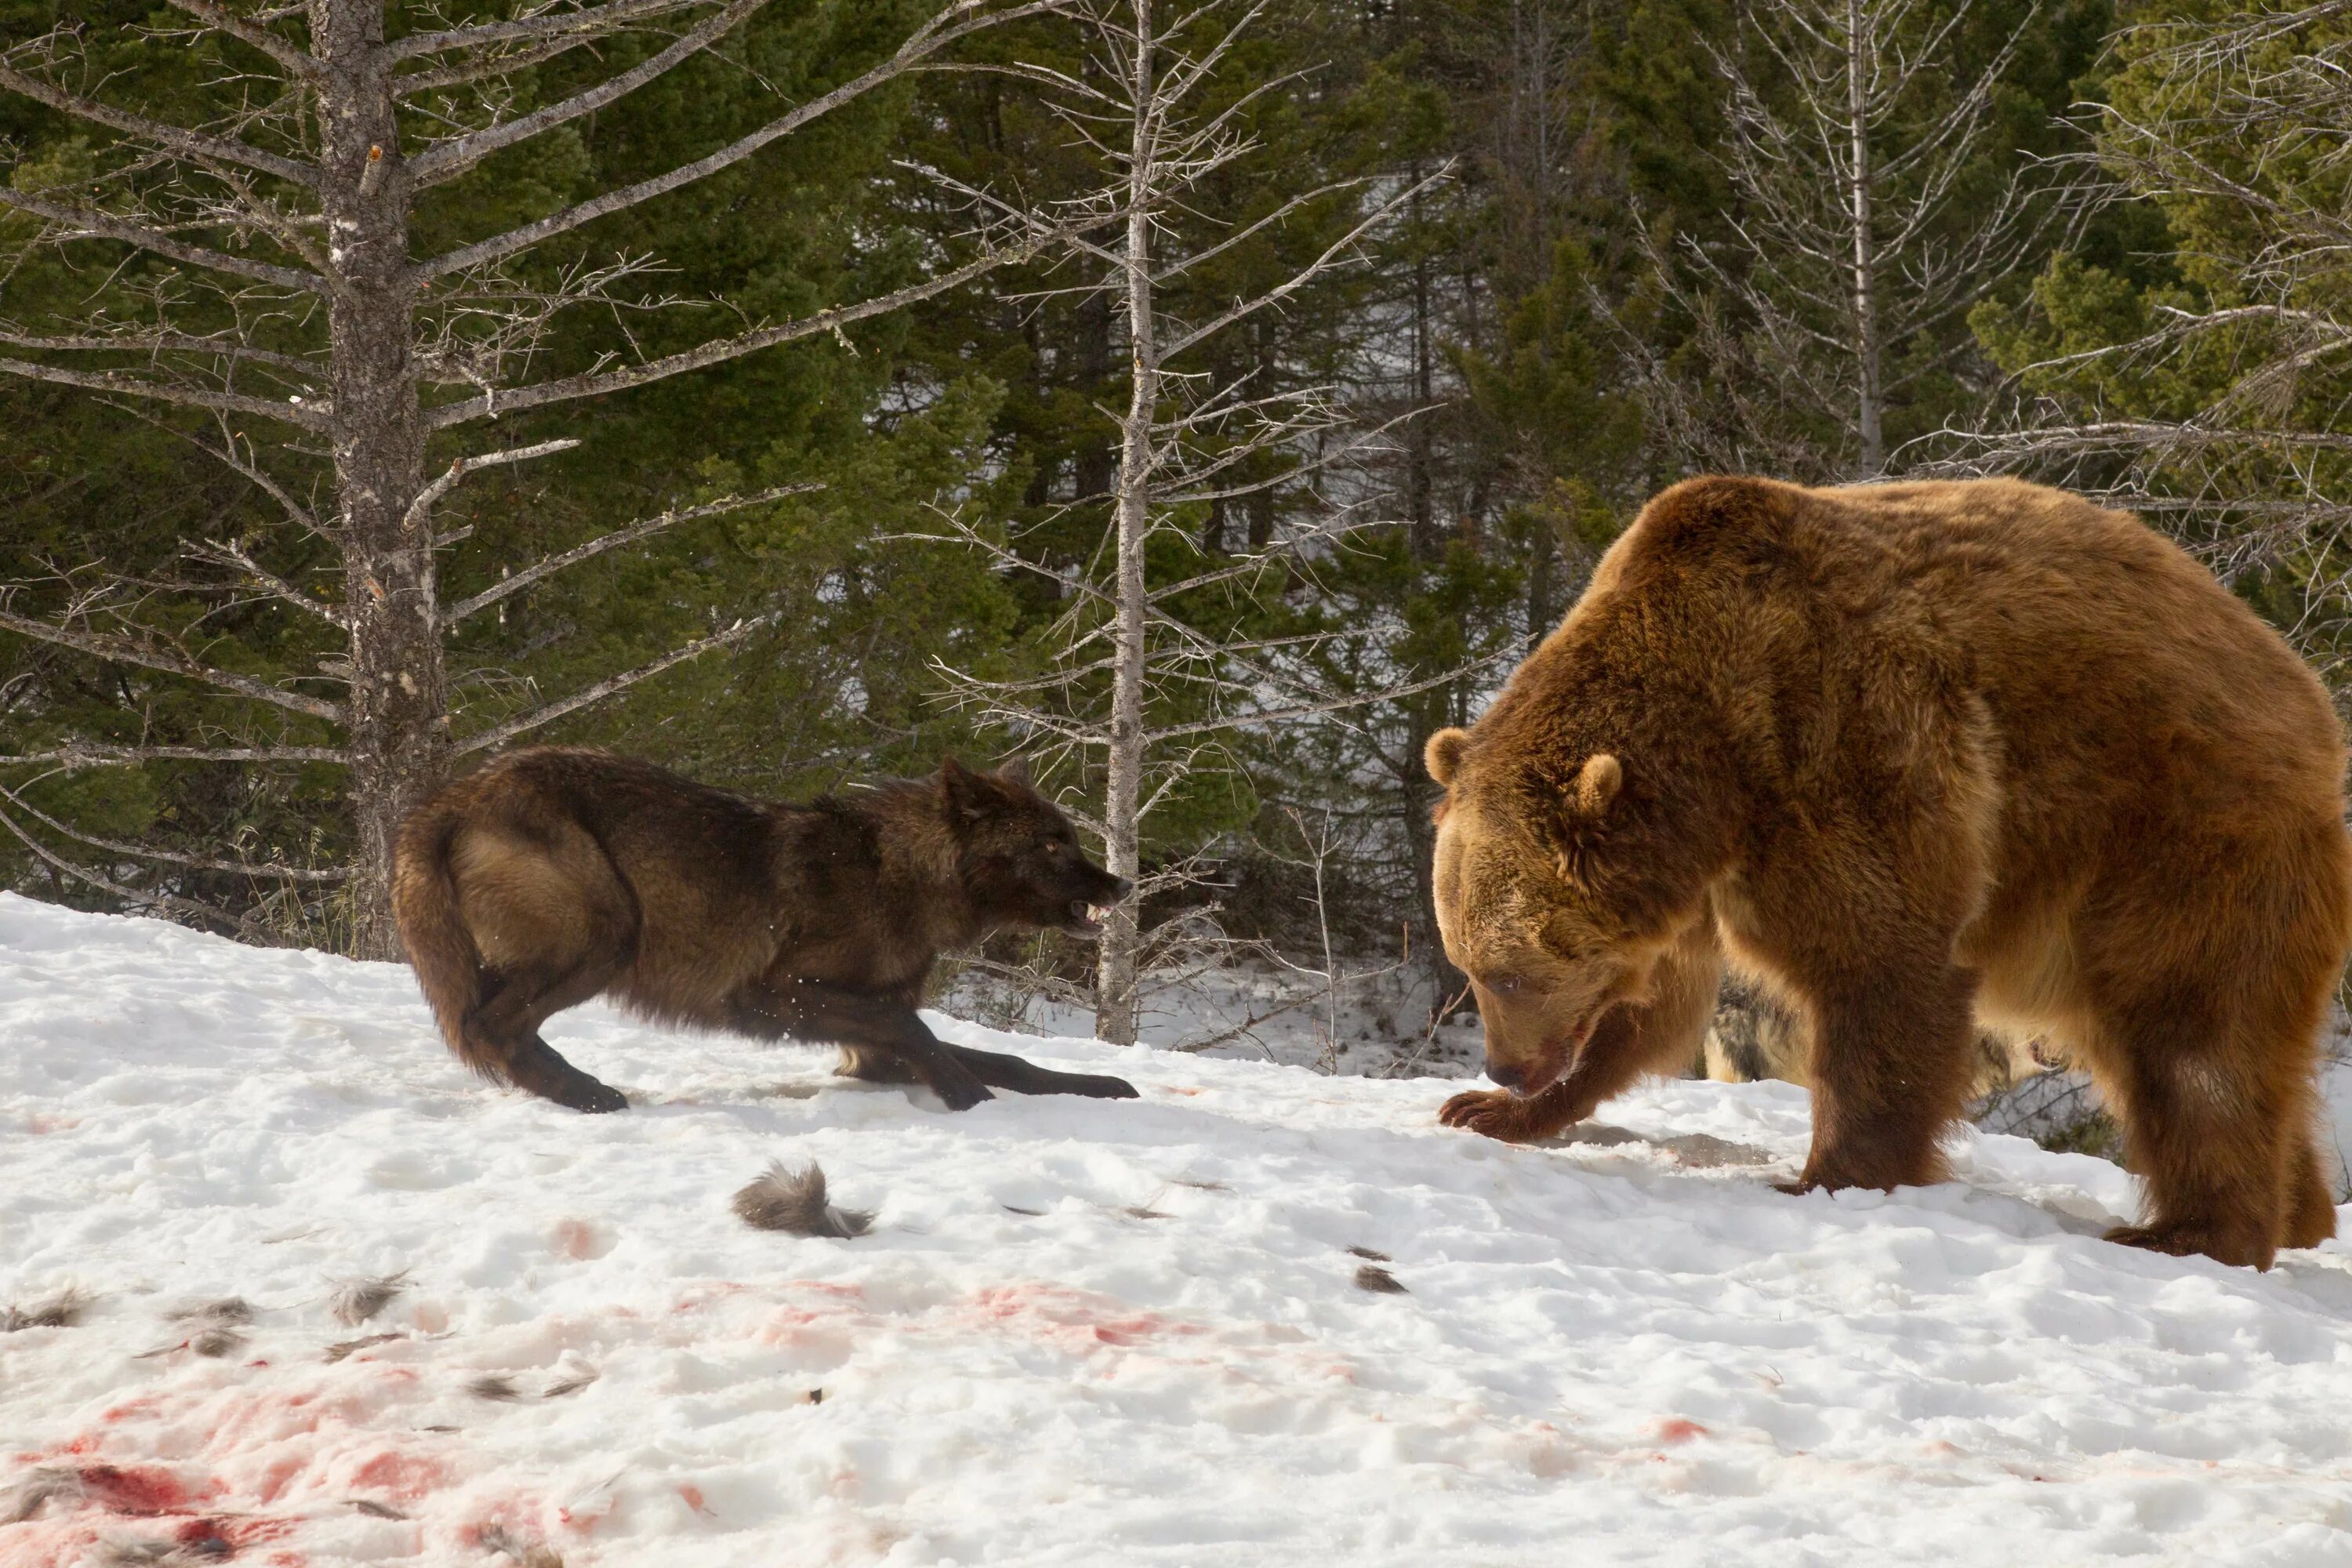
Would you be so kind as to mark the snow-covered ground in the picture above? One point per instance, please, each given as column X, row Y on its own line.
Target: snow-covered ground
column 1079, row 1332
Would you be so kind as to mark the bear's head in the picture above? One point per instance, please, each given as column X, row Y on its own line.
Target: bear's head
column 1546, row 900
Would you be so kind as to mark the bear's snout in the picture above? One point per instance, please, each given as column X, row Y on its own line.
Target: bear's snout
column 1505, row 1076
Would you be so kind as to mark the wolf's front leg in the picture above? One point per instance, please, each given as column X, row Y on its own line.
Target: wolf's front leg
column 865, row 1028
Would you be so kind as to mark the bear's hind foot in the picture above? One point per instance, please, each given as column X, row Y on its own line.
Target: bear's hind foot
column 2190, row 1241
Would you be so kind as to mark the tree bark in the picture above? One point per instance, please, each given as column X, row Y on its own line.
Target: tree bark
column 1115, row 998
column 397, row 714
column 1873, row 456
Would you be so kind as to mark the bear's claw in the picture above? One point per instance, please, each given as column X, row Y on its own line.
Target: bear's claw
column 1494, row 1113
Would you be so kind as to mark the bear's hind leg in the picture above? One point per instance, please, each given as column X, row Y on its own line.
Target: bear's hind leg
column 2310, row 1204
column 2201, row 1129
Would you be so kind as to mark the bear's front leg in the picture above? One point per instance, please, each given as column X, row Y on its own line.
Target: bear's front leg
column 1628, row 1043
column 1498, row 1113
column 1890, row 1068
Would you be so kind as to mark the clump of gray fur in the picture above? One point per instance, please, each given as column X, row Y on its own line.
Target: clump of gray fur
column 497, row 1540
column 357, row 1300
column 795, row 1201
column 1379, row 1281
column 47, row 1484
column 62, row 1311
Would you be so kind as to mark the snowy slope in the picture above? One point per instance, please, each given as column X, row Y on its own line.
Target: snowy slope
column 1608, row 1353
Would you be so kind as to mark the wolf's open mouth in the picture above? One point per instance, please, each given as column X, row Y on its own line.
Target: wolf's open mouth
column 1086, row 919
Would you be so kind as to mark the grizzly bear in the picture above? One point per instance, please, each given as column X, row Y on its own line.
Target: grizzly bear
column 1914, row 756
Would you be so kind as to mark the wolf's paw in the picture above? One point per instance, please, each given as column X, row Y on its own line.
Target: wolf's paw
column 956, row 1085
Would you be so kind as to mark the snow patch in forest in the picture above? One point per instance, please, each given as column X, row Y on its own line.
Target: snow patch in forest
column 1079, row 1332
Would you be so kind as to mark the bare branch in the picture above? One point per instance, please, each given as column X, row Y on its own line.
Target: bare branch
column 449, row 158
column 292, row 56
column 75, row 757
column 157, row 342
column 191, row 143
column 83, row 874
column 234, row 555
column 308, row 416
column 499, row 734
column 196, row 862
column 94, row 224
column 170, row 661
column 927, row 40
column 1308, row 273
column 546, row 23
column 596, row 383
column 602, row 543
column 421, row 507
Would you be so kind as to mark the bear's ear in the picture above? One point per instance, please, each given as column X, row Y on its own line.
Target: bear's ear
column 1015, row 772
column 1443, row 755
column 1597, row 783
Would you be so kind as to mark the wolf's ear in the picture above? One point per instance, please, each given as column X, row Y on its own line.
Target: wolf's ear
column 1597, row 783
column 1015, row 772
column 967, row 792
column 1443, row 755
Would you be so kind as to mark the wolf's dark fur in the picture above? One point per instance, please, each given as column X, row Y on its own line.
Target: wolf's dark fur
column 555, row 874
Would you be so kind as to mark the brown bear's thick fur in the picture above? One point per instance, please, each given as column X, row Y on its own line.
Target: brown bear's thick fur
column 1910, row 755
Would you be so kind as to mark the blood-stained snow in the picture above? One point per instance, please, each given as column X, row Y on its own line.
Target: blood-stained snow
column 1080, row 1333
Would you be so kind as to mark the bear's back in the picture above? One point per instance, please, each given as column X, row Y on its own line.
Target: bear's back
column 2115, row 667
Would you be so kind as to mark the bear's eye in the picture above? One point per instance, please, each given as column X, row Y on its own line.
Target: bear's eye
column 1506, row 984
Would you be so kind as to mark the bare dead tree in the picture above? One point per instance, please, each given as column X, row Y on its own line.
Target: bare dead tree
column 280, row 293
column 1141, row 691
column 1858, row 233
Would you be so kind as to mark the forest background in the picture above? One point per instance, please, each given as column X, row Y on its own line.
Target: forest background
column 1513, row 264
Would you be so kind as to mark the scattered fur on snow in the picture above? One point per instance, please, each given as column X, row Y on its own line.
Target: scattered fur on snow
column 1379, row 1281
column 495, row 1539
column 230, row 1312
column 42, row 1486
column 62, row 1311
column 564, row 1385
column 375, row 1509
column 216, row 1342
column 357, row 1300
column 1368, row 1252
column 494, row 1385
column 342, row 1348
column 157, row 1554
column 795, row 1201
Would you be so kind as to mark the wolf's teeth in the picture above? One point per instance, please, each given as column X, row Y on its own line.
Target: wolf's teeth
column 1096, row 911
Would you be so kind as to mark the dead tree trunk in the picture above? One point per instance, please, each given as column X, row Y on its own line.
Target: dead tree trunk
column 396, row 718
column 1115, row 1000
column 1858, row 70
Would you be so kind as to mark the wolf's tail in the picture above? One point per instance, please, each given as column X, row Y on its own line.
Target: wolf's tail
column 440, row 949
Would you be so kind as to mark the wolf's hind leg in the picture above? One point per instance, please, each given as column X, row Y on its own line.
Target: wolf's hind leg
column 505, row 1031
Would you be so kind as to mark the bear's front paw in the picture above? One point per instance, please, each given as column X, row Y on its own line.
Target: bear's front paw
column 1496, row 1113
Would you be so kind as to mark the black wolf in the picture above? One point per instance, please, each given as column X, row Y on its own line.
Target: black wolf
column 554, row 875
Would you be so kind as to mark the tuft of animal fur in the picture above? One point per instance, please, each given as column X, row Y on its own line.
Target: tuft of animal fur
column 357, row 1300
column 1378, row 1281
column 47, row 1484
column 554, row 875
column 795, row 1201
column 497, row 1540
column 62, row 1311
